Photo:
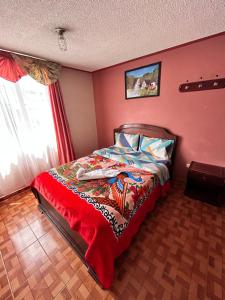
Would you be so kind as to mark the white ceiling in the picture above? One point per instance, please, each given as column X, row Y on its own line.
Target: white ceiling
column 102, row 33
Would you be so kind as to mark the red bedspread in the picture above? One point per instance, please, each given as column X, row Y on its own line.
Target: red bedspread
column 103, row 245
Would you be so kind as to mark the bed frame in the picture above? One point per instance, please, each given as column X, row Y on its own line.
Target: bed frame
column 76, row 241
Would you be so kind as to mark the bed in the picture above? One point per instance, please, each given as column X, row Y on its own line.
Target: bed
column 97, row 218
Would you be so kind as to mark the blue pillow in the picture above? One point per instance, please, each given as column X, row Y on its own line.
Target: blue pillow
column 158, row 148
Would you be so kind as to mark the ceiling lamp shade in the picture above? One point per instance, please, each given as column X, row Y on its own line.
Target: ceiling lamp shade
column 61, row 39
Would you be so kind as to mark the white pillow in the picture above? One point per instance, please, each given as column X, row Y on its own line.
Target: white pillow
column 127, row 140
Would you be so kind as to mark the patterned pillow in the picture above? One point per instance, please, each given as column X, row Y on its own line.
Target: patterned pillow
column 127, row 140
column 158, row 148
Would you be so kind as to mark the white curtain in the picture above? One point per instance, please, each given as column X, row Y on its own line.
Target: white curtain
column 27, row 136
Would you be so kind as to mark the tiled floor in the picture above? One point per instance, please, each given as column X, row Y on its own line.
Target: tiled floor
column 179, row 253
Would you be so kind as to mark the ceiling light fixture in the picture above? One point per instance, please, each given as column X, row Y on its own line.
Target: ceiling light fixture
column 61, row 38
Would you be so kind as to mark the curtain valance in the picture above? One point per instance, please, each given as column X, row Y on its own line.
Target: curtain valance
column 9, row 69
column 13, row 67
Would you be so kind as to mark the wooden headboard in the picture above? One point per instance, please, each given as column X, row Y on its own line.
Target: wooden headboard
column 150, row 131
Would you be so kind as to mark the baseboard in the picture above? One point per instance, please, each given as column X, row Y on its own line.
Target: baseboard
column 14, row 193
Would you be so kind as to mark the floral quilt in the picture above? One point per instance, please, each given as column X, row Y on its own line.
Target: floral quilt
column 117, row 198
column 106, row 212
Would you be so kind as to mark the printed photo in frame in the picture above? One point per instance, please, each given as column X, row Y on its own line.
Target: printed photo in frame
column 143, row 81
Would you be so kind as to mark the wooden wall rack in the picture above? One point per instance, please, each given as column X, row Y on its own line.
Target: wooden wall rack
column 202, row 85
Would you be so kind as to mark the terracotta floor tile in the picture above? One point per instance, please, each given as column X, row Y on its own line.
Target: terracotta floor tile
column 33, row 258
column 38, row 285
column 46, row 295
column 41, row 226
column 52, row 279
column 4, row 212
column 178, row 254
column 64, row 295
column 23, row 292
column 7, row 249
column 23, row 238
column 15, row 224
column 82, row 292
column 2, row 226
column 73, row 285
column 16, row 279
column 89, row 283
column 5, row 291
column 74, row 261
column 11, row 263
column 4, row 236
column 14, row 271
column 52, row 242
column 33, row 215
column 64, row 270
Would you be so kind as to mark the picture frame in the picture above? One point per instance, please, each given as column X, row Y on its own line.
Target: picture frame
column 143, row 82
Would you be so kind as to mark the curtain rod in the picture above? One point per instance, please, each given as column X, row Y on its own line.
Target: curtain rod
column 24, row 54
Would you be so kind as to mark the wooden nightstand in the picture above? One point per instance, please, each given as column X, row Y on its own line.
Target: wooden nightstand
column 206, row 183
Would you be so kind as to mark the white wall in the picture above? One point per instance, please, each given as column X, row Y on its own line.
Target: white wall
column 77, row 90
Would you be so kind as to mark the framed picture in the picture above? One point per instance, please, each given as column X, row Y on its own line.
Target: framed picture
column 143, row 82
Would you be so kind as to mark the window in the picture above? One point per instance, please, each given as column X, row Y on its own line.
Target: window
column 28, row 142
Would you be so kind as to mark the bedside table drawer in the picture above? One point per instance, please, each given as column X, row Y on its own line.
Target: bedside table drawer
column 207, row 179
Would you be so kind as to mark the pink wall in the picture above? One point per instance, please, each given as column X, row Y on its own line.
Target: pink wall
column 78, row 96
column 198, row 118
